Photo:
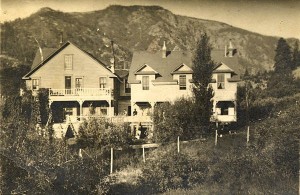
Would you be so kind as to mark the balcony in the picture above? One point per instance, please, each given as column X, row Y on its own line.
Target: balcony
column 80, row 93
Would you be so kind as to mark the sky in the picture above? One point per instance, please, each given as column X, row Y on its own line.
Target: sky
column 276, row 18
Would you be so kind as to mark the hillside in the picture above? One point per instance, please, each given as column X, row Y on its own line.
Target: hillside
column 131, row 28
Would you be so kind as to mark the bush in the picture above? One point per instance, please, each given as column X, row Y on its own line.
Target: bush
column 176, row 119
column 171, row 171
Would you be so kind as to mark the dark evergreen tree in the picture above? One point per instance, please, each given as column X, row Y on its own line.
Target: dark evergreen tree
column 283, row 57
column 296, row 55
column 203, row 68
column 281, row 82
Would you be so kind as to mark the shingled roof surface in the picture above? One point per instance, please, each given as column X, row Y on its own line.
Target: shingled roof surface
column 46, row 53
column 166, row 66
column 122, row 73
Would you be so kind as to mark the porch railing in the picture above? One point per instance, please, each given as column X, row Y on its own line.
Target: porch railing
column 80, row 92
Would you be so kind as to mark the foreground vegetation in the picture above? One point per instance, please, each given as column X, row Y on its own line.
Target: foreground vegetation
column 267, row 165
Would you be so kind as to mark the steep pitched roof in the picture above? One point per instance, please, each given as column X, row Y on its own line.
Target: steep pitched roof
column 218, row 57
column 164, row 66
column 122, row 73
column 168, row 66
column 46, row 53
column 37, row 63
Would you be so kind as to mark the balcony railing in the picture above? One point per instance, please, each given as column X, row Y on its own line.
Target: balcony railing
column 80, row 92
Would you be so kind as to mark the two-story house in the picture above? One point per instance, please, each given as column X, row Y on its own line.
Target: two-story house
column 167, row 75
column 79, row 84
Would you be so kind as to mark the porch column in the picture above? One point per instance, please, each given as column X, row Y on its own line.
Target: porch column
column 152, row 106
column 50, row 103
column 109, row 108
column 80, row 109
column 132, row 109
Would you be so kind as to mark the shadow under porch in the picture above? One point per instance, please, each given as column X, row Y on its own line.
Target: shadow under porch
column 72, row 109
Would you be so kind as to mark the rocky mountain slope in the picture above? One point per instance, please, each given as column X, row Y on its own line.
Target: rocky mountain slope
column 131, row 28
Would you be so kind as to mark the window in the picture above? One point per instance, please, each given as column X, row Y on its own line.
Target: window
column 221, row 81
column 145, row 82
column 102, row 82
column 68, row 62
column 103, row 111
column 69, row 111
column 127, row 86
column 78, row 83
column 182, row 82
column 35, row 84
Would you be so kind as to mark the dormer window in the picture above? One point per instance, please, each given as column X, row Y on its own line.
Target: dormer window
column 221, row 81
column 182, row 82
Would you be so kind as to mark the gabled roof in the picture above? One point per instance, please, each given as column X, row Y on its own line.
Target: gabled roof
column 218, row 57
column 46, row 53
column 50, row 53
column 164, row 66
column 179, row 71
column 122, row 73
column 174, row 60
column 145, row 70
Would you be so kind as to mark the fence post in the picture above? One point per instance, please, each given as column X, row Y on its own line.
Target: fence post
column 248, row 134
column 111, row 159
column 178, row 146
column 216, row 138
column 144, row 159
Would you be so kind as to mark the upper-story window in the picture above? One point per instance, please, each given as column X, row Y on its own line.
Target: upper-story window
column 127, row 86
column 68, row 62
column 78, row 83
column 182, row 82
column 35, row 84
column 221, row 81
column 145, row 82
column 102, row 82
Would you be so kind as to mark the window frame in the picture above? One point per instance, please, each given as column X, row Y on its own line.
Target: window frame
column 76, row 86
column 34, row 86
column 145, row 83
column 68, row 61
column 182, row 83
column 103, row 85
column 127, row 87
column 221, row 84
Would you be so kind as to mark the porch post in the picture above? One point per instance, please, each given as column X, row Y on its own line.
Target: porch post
column 152, row 106
column 50, row 103
column 80, row 109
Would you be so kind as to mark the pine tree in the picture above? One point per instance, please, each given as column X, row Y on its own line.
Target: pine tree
column 283, row 57
column 203, row 68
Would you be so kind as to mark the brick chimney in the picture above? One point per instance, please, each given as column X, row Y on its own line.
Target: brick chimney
column 112, row 65
column 230, row 49
column 164, row 50
column 61, row 41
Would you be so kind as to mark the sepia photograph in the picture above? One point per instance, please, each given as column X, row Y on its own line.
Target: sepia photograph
column 142, row 97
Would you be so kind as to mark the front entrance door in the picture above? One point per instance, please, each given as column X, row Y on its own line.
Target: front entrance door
column 68, row 84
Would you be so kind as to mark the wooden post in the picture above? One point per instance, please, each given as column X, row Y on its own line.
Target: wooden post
column 216, row 138
column 144, row 160
column 111, row 159
column 248, row 134
column 178, row 148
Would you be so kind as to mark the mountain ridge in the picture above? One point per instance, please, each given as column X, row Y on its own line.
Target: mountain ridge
column 132, row 28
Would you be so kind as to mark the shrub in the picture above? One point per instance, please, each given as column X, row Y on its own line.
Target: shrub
column 171, row 171
column 176, row 119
